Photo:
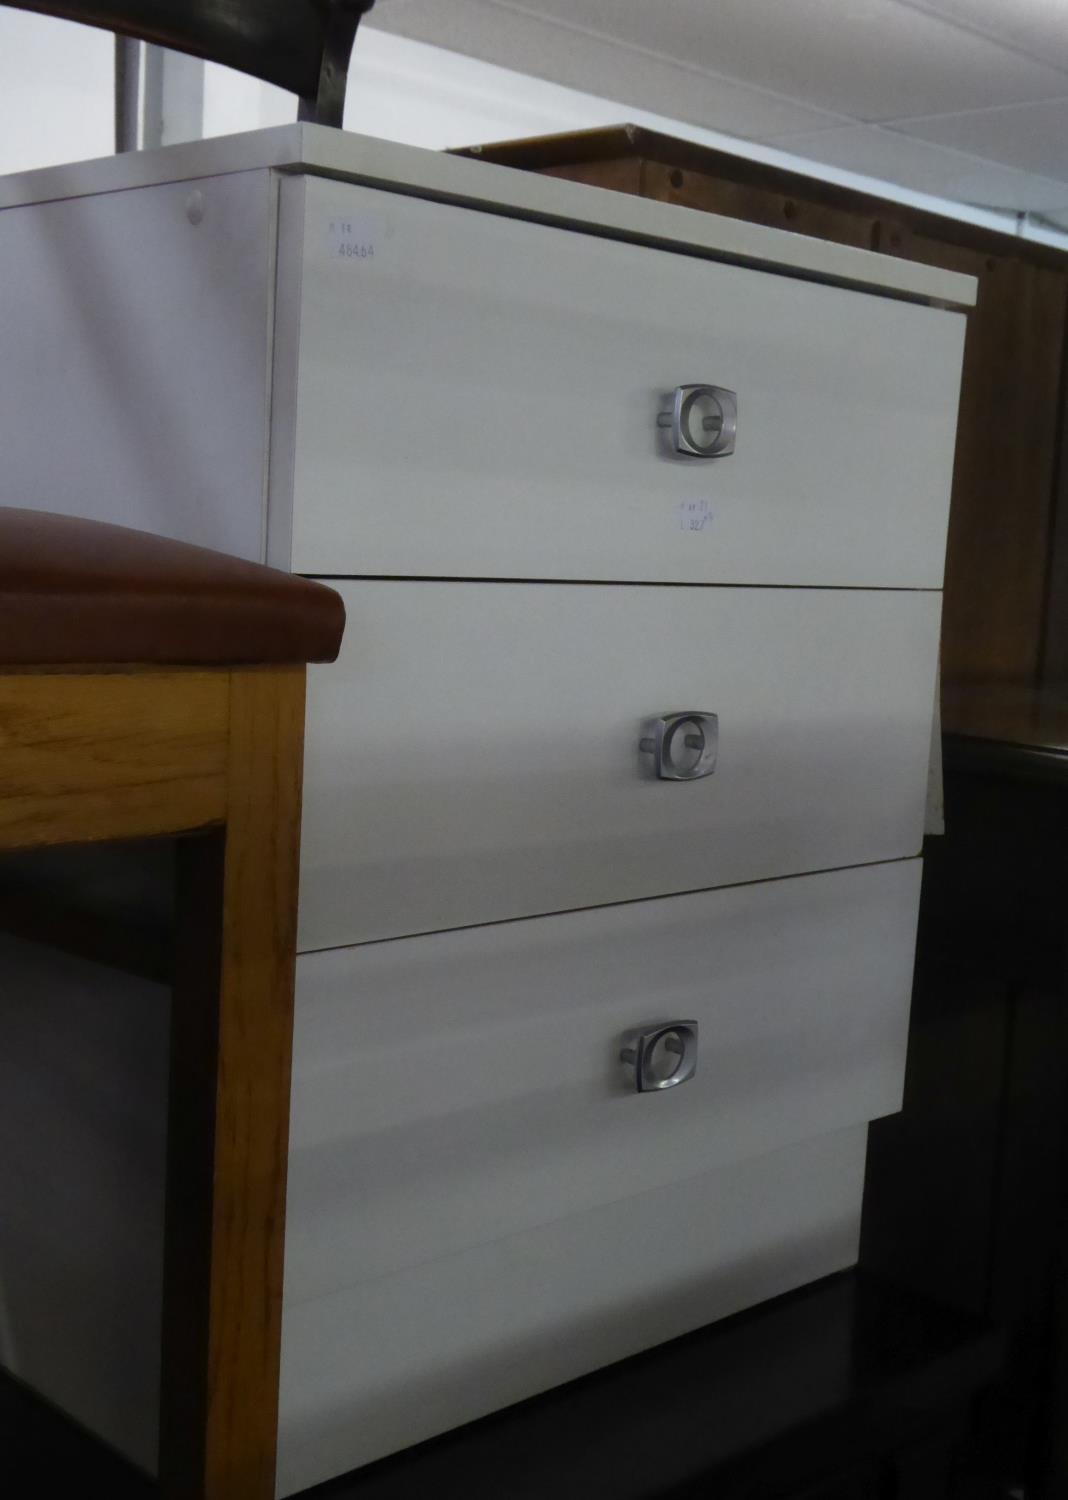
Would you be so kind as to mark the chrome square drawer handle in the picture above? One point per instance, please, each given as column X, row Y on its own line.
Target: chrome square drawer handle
column 659, row 1055
column 703, row 420
column 683, row 745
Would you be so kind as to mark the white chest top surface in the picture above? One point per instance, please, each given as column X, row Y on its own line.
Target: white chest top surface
column 318, row 151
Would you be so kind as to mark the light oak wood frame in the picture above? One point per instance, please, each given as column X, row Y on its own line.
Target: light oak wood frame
column 215, row 757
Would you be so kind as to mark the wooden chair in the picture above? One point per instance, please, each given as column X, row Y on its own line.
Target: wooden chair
column 300, row 45
column 150, row 688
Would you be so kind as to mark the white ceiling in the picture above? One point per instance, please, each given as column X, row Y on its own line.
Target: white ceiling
column 964, row 99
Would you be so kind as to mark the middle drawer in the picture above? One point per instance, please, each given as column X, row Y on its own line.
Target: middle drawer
column 474, row 754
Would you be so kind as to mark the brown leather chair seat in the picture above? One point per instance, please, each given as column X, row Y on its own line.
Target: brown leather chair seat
column 84, row 592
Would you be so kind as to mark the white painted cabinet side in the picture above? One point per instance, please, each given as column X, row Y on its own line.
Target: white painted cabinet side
column 135, row 357
column 83, row 1115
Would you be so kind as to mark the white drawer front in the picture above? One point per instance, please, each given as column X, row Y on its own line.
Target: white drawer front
column 478, row 398
column 377, row 1367
column 474, row 753
column 453, row 1089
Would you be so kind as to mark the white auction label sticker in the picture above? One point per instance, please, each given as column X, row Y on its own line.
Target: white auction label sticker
column 354, row 239
column 694, row 515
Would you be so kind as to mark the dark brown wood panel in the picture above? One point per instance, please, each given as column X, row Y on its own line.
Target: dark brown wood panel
column 779, row 206
column 587, row 150
column 1007, row 449
column 619, row 174
column 1055, row 644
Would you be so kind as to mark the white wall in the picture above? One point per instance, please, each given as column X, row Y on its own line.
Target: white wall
column 56, row 91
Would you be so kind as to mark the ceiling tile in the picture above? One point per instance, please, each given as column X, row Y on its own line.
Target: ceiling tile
column 869, row 59
column 1032, row 137
column 798, row 69
column 892, row 157
column 1037, row 27
column 533, row 45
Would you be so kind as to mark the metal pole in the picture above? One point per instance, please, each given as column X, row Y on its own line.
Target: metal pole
column 127, row 93
column 173, row 104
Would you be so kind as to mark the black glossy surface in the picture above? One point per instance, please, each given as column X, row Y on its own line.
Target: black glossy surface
column 983, row 756
column 846, row 1378
column 300, row 45
column 966, row 1189
column 835, row 1376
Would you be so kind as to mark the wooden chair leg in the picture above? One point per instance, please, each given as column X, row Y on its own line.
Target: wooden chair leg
column 231, row 1041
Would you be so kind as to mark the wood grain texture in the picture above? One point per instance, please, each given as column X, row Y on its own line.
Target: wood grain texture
column 998, row 548
column 1055, row 643
column 584, row 152
column 230, row 1085
column 110, row 756
column 779, row 205
column 1010, row 713
column 621, row 174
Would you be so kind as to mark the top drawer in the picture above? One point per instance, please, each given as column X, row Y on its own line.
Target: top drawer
column 460, row 394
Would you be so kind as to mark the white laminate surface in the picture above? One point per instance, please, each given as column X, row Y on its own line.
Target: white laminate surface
column 453, row 1089
column 473, row 755
column 476, row 396
column 377, row 1367
column 319, row 151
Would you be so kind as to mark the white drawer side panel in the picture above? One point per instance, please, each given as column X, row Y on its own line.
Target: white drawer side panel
column 83, row 1087
column 136, row 388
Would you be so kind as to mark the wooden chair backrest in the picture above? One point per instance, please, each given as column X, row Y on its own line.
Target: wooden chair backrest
column 300, row 45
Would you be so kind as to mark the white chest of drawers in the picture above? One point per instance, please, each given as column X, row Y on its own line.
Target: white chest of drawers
column 441, row 383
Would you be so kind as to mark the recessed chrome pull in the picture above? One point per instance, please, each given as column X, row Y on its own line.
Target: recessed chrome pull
column 659, row 1055
column 683, row 745
column 703, row 420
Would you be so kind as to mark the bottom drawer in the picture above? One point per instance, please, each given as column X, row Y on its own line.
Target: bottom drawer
column 455, row 1088
column 377, row 1367
column 479, row 1208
